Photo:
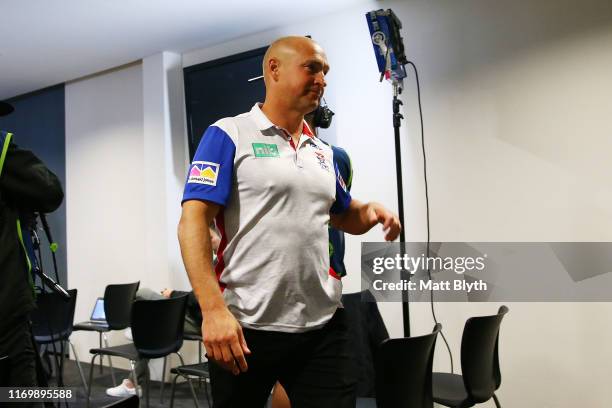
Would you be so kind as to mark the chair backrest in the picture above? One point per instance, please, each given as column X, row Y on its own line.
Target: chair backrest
column 53, row 317
column 118, row 304
column 479, row 355
column 157, row 326
column 403, row 371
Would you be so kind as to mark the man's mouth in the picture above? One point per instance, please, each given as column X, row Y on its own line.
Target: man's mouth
column 316, row 92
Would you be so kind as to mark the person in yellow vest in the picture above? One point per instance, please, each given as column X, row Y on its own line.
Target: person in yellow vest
column 26, row 186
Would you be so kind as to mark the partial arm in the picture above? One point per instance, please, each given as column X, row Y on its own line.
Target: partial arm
column 223, row 337
column 359, row 218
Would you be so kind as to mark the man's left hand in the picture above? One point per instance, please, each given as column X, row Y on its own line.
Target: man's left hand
column 377, row 214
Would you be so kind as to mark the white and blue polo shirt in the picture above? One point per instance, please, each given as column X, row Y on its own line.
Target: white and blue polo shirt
column 273, row 259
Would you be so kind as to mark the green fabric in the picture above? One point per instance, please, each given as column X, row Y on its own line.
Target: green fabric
column 349, row 183
column 27, row 257
column 5, row 147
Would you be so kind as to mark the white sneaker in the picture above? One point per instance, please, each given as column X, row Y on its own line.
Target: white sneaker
column 128, row 334
column 122, row 390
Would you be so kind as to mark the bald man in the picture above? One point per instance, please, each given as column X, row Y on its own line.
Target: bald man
column 271, row 308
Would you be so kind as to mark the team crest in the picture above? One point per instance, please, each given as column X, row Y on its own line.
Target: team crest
column 202, row 172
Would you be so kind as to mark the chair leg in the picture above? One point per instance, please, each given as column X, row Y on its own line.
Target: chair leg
column 100, row 342
column 134, row 377
column 56, row 369
column 110, row 362
column 91, row 368
column 200, row 362
column 47, row 358
column 163, row 381
column 148, row 383
column 60, row 368
column 76, row 357
column 206, row 392
column 193, row 393
column 497, row 404
column 172, row 391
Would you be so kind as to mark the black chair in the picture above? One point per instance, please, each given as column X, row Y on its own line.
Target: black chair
column 129, row 402
column 199, row 370
column 157, row 330
column 189, row 336
column 195, row 337
column 117, row 308
column 404, row 372
column 368, row 331
column 52, row 323
column 479, row 365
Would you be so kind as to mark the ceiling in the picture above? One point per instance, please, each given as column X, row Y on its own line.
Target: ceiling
column 43, row 43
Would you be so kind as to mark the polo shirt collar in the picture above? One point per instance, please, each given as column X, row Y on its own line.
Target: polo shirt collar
column 263, row 123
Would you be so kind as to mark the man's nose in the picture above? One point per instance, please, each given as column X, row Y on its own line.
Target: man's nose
column 320, row 80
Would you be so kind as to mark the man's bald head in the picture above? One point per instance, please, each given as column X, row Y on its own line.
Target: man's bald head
column 294, row 71
column 285, row 48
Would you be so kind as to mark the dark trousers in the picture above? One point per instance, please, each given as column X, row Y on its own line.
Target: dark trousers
column 18, row 359
column 316, row 369
column 17, row 356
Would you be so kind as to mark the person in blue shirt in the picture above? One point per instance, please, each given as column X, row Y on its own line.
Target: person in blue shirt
column 271, row 310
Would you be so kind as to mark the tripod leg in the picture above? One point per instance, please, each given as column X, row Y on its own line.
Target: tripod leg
column 497, row 404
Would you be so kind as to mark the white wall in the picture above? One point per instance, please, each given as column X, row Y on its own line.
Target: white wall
column 104, row 189
column 126, row 165
column 516, row 103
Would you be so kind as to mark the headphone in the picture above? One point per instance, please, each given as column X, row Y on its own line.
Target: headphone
column 322, row 116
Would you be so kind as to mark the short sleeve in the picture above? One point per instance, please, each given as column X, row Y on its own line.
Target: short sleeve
column 343, row 197
column 211, row 171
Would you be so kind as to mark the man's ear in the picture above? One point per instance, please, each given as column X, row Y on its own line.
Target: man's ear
column 273, row 66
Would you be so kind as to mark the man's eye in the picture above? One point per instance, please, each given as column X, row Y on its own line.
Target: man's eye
column 314, row 68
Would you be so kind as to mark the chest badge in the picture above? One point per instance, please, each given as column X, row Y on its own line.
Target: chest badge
column 265, row 150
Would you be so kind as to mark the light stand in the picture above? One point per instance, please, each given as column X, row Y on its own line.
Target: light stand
column 397, row 123
column 388, row 45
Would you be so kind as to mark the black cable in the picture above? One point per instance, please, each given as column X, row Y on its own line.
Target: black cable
column 59, row 361
column 52, row 244
column 431, row 292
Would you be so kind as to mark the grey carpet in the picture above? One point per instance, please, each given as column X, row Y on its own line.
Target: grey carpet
column 103, row 381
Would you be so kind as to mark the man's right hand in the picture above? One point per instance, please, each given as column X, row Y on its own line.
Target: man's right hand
column 224, row 340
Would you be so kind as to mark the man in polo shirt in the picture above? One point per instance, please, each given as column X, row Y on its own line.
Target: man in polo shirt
column 271, row 309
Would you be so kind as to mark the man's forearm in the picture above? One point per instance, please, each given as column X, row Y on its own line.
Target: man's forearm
column 356, row 219
column 196, row 250
column 359, row 218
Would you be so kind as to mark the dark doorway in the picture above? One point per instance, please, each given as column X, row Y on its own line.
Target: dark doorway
column 221, row 88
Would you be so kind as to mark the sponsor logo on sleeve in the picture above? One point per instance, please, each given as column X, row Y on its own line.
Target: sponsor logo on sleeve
column 202, row 172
